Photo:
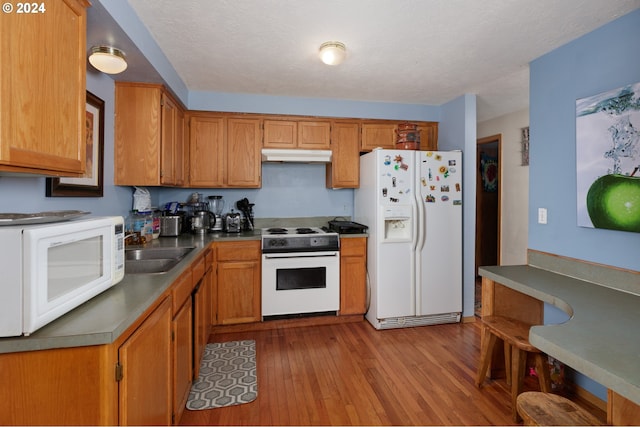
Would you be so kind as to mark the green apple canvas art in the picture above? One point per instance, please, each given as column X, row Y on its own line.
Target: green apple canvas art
column 608, row 159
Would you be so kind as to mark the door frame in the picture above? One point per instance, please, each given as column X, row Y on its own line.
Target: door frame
column 486, row 140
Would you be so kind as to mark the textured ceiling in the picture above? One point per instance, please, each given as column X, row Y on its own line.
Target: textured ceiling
column 404, row 51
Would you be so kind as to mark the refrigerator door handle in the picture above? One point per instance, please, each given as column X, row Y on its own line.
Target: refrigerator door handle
column 421, row 224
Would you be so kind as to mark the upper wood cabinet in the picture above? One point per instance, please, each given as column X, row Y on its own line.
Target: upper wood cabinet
column 280, row 134
column 382, row 134
column 243, row 162
column 314, row 135
column 224, row 151
column 378, row 134
column 428, row 136
column 344, row 169
column 207, row 150
column 43, row 91
column 149, row 143
column 297, row 134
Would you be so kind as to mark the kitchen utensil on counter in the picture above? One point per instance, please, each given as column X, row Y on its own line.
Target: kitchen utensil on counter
column 170, row 225
column 202, row 222
column 347, row 227
column 216, row 206
column 232, row 222
column 247, row 210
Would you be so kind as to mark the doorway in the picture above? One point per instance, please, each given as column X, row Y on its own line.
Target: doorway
column 488, row 202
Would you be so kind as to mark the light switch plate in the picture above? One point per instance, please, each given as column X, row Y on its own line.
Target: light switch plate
column 542, row 215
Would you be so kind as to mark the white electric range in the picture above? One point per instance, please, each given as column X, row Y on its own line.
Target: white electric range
column 300, row 272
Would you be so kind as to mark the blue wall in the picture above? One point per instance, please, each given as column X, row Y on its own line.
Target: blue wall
column 602, row 60
column 457, row 131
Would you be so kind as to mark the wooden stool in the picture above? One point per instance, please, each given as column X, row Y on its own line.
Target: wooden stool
column 515, row 335
column 546, row 409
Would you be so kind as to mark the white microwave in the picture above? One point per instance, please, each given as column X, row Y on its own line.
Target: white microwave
column 49, row 269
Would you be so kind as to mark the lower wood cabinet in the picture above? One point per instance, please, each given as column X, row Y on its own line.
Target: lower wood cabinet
column 142, row 378
column 238, row 281
column 182, row 340
column 202, row 313
column 353, row 275
column 145, row 387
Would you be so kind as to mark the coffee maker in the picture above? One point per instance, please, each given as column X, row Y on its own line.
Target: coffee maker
column 216, row 205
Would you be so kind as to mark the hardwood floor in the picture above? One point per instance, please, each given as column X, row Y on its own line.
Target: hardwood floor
column 351, row 374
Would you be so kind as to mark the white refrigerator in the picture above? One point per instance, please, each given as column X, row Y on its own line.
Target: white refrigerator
column 412, row 203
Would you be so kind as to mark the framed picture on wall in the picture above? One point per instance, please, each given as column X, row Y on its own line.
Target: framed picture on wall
column 608, row 159
column 90, row 185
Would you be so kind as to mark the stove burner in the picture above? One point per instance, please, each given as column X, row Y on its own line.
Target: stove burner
column 305, row 230
column 277, row 230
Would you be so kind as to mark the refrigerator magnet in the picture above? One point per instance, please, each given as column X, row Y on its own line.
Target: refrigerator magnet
column 444, row 189
column 457, row 202
column 430, row 198
column 458, row 186
column 445, row 198
column 387, row 160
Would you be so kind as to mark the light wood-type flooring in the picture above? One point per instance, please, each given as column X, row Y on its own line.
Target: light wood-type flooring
column 351, row 374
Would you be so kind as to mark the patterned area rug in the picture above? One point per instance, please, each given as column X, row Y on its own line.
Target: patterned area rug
column 227, row 376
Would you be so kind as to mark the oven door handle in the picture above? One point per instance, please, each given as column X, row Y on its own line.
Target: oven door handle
column 300, row 256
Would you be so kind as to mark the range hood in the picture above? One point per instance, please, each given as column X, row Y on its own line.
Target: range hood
column 295, row 155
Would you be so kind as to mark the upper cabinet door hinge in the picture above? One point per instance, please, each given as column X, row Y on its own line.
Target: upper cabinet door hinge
column 119, row 372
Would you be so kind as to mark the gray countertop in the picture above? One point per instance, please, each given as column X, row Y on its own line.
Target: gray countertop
column 600, row 340
column 105, row 317
column 102, row 319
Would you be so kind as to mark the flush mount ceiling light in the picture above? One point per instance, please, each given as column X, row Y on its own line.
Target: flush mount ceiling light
column 332, row 53
column 108, row 59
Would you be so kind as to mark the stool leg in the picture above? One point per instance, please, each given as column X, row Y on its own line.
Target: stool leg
column 507, row 361
column 518, row 367
column 544, row 377
column 488, row 342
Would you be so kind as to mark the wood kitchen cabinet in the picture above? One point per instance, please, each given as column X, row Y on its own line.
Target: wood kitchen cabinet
column 182, row 341
column 202, row 307
column 353, row 275
column 142, row 378
column 243, row 157
column 381, row 133
column 302, row 134
column 207, row 151
column 42, row 81
column 238, row 281
column 224, row 152
column 149, row 144
column 378, row 134
column 344, row 169
column 145, row 386
column 428, row 136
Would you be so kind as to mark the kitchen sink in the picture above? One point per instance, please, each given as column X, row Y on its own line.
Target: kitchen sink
column 157, row 253
column 153, row 260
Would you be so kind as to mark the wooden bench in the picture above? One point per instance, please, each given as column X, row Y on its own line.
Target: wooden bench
column 546, row 409
column 515, row 335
